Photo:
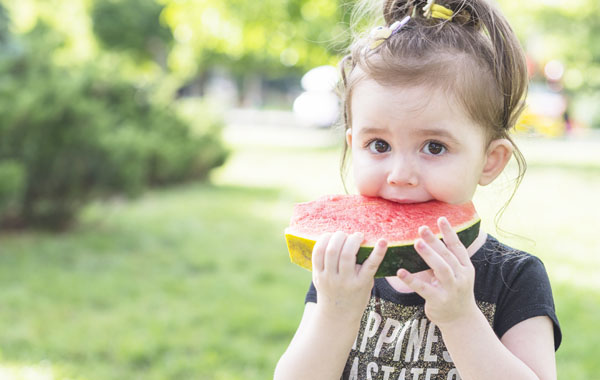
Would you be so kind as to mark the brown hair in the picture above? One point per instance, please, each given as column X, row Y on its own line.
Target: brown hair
column 475, row 57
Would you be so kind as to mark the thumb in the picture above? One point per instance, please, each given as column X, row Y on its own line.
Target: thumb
column 369, row 267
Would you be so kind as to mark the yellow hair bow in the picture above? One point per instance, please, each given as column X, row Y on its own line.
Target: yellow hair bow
column 437, row 11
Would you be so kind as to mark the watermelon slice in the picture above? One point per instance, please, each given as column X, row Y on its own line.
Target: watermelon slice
column 376, row 218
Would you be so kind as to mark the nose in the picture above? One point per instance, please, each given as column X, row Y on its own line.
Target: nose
column 403, row 173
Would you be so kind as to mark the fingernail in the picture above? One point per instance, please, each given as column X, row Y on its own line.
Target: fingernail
column 420, row 243
column 382, row 243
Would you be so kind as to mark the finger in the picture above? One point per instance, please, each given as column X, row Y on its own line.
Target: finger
column 453, row 242
column 441, row 269
column 318, row 252
column 332, row 252
column 370, row 265
column 420, row 287
column 439, row 246
column 349, row 250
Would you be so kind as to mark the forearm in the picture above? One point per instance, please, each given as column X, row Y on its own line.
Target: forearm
column 478, row 353
column 321, row 350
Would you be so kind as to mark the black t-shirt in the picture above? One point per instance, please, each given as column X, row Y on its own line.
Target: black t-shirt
column 396, row 341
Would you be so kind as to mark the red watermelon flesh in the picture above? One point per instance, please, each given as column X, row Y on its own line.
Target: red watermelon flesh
column 376, row 218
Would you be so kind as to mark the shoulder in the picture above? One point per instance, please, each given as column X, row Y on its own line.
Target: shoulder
column 503, row 272
column 516, row 284
column 496, row 253
column 498, row 265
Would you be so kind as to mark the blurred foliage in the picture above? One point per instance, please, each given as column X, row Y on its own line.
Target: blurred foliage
column 275, row 37
column 183, row 41
column 270, row 37
column 69, row 135
column 12, row 186
column 132, row 26
column 565, row 31
column 4, row 32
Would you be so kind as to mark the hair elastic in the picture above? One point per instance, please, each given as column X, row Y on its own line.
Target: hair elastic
column 381, row 33
column 437, row 11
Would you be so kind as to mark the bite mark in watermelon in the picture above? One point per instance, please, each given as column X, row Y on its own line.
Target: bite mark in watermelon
column 376, row 218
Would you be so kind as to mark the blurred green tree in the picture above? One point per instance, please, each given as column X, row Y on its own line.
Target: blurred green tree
column 68, row 135
column 4, row 33
column 267, row 36
column 280, row 38
column 270, row 38
column 132, row 26
column 187, row 38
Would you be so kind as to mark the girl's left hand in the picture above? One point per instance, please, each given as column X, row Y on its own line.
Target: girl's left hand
column 448, row 287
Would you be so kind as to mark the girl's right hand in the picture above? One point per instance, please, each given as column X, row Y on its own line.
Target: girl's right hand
column 344, row 287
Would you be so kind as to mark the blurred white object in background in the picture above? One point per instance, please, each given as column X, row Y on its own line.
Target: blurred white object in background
column 545, row 102
column 322, row 78
column 318, row 105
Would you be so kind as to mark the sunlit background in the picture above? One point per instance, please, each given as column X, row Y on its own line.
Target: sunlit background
column 151, row 152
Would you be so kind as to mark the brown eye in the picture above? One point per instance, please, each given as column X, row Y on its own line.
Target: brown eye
column 379, row 146
column 434, row 148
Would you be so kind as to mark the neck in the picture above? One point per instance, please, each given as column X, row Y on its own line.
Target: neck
column 477, row 243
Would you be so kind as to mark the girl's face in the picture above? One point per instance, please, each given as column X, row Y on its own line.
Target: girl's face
column 414, row 144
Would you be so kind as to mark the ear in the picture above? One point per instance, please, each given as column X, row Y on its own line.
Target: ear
column 349, row 137
column 497, row 156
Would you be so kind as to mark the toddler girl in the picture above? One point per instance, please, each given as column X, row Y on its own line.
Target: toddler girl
column 429, row 100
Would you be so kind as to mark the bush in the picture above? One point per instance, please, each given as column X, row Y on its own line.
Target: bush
column 131, row 26
column 79, row 133
column 12, row 184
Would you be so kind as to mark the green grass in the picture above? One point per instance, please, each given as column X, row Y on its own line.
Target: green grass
column 194, row 282
column 171, row 286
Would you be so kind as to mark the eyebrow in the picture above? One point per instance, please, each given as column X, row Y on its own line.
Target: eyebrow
column 426, row 132
column 437, row 132
column 372, row 130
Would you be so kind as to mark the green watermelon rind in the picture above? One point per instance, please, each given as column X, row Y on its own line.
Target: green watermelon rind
column 397, row 256
column 405, row 256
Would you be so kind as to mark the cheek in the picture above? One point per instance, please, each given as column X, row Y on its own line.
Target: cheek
column 455, row 184
column 453, row 192
column 447, row 192
column 368, row 175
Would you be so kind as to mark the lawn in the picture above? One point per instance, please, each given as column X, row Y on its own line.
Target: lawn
column 194, row 282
